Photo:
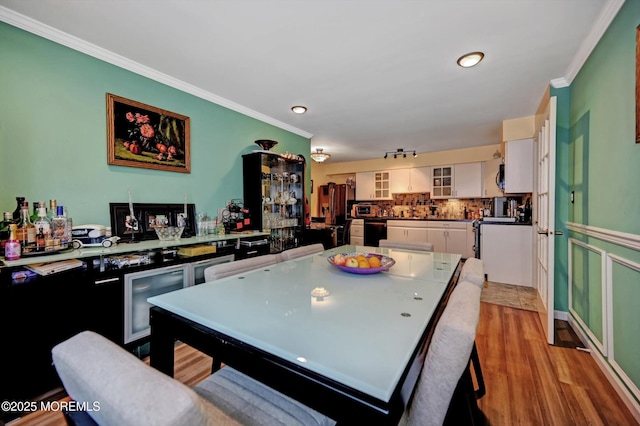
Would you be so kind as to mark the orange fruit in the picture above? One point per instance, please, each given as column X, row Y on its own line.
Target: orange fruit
column 361, row 257
column 363, row 264
column 374, row 262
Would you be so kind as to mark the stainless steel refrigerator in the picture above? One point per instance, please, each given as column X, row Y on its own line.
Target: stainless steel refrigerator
column 335, row 202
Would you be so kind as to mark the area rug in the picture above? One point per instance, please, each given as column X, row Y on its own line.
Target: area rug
column 513, row 296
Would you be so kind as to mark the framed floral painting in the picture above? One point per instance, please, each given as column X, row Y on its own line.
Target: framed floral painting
column 140, row 135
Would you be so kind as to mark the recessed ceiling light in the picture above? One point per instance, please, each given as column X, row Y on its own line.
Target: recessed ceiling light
column 470, row 59
column 299, row 109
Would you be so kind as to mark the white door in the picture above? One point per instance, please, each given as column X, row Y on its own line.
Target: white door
column 545, row 219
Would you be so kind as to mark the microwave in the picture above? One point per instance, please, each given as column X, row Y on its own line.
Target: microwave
column 367, row 210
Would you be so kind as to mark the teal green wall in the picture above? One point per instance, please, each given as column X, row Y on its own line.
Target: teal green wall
column 53, row 134
column 604, row 172
column 603, row 93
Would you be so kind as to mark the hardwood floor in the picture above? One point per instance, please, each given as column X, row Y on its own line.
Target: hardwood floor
column 531, row 383
column 528, row 382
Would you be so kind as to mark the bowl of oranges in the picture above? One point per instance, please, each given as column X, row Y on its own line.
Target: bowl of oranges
column 361, row 263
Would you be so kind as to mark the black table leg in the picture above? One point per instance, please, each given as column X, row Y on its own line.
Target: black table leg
column 161, row 344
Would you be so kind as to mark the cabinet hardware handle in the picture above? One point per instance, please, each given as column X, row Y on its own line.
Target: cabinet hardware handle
column 559, row 233
column 545, row 232
column 108, row 280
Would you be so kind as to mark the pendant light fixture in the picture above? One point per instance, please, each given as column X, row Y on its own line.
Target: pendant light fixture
column 320, row 156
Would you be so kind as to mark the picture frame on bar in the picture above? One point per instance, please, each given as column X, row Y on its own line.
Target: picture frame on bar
column 148, row 216
column 141, row 135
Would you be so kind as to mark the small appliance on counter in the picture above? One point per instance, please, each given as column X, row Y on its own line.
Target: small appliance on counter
column 367, row 210
column 500, row 207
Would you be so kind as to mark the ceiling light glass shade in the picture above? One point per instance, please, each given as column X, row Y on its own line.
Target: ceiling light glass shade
column 470, row 59
column 319, row 156
column 299, row 109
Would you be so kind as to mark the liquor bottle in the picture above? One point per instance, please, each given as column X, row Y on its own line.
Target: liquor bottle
column 36, row 207
column 4, row 230
column 26, row 232
column 43, row 230
column 59, row 229
column 16, row 212
column 68, row 228
column 51, row 213
column 12, row 248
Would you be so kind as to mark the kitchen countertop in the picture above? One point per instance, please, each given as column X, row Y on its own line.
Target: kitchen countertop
column 506, row 223
column 430, row 219
column 413, row 219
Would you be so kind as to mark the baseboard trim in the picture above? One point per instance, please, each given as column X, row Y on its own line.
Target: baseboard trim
column 561, row 315
column 632, row 404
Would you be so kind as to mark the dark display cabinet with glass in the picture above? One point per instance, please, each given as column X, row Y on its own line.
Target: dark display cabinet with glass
column 274, row 195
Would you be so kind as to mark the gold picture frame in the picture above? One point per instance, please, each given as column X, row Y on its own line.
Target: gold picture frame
column 140, row 135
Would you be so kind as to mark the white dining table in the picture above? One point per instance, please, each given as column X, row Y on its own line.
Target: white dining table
column 349, row 345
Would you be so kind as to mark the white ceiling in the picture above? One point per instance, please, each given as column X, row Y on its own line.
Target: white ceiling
column 375, row 75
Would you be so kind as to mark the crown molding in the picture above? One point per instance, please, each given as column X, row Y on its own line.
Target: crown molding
column 45, row 31
column 607, row 14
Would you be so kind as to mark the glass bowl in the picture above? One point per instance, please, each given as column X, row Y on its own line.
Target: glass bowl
column 169, row 233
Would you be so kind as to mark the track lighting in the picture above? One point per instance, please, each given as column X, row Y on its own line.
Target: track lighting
column 398, row 152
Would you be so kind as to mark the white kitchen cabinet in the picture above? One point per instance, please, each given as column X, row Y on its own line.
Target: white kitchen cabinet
column 442, row 182
column 467, row 180
column 506, row 251
column 400, row 181
column 356, row 232
column 491, row 170
column 364, row 186
column 373, row 185
column 451, row 237
column 518, row 166
column 407, row 231
column 457, row 181
column 416, row 179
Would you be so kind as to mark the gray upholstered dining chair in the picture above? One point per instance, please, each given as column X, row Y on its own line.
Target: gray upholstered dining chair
column 236, row 267
column 473, row 271
column 420, row 246
column 119, row 389
column 297, row 252
column 447, row 358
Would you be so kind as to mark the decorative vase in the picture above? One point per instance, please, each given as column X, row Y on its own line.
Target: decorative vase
column 266, row 144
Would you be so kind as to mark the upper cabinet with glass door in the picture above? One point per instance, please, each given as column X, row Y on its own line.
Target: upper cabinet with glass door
column 442, row 182
column 373, row 185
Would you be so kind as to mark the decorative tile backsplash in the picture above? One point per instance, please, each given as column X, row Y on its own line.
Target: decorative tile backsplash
column 421, row 205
